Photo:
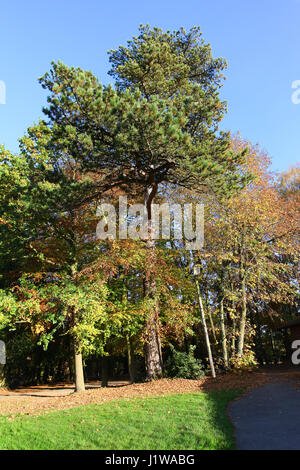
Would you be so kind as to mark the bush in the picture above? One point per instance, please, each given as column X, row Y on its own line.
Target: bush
column 245, row 363
column 182, row 365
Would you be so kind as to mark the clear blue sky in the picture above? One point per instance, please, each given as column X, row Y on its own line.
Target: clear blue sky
column 260, row 39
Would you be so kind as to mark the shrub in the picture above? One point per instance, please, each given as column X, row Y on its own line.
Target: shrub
column 182, row 365
column 245, row 363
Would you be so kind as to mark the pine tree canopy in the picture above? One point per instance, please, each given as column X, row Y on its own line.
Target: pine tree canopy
column 158, row 123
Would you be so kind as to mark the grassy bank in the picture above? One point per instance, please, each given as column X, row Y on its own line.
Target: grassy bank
column 175, row 422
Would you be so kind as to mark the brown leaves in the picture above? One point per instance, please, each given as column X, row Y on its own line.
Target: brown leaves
column 42, row 399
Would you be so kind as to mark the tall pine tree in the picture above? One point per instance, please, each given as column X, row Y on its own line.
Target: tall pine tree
column 158, row 125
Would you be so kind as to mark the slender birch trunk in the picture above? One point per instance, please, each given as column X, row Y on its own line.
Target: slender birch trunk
column 243, row 317
column 222, row 322
column 233, row 340
column 207, row 340
column 223, row 332
column 207, row 308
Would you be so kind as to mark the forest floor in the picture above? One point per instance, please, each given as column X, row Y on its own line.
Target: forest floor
column 40, row 399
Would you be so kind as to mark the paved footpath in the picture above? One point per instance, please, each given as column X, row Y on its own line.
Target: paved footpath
column 268, row 417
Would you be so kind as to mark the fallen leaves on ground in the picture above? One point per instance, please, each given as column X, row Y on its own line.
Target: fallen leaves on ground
column 12, row 403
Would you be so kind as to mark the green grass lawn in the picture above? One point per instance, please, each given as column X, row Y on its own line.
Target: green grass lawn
column 175, row 422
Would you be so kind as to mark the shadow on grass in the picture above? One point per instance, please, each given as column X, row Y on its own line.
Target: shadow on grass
column 192, row 421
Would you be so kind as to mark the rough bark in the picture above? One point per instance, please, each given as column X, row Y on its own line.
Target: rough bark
column 79, row 376
column 153, row 354
column 78, row 363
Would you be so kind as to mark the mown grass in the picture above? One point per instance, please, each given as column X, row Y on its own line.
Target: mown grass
column 176, row 422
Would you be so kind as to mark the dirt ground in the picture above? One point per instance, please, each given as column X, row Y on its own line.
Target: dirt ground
column 35, row 400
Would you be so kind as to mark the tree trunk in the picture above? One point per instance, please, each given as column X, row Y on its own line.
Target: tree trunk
column 2, row 364
column 2, row 376
column 152, row 344
column 207, row 309
column 131, row 367
column 222, row 321
column 243, row 318
column 207, row 306
column 66, row 370
column 211, row 362
column 259, row 350
column 79, row 376
column 233, row 318
column 78, row 364
column 223, row 333
column 105, row 371
column 153, row 351
column 275, row 359
column 233, row 345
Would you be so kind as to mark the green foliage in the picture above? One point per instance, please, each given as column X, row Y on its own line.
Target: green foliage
column 182, row 365
column 160, row 124
column 158, row 127
column 14, row 209
column 244, row 363
column 59, row 304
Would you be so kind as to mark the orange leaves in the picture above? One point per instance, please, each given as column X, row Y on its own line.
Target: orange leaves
column 38, row 330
